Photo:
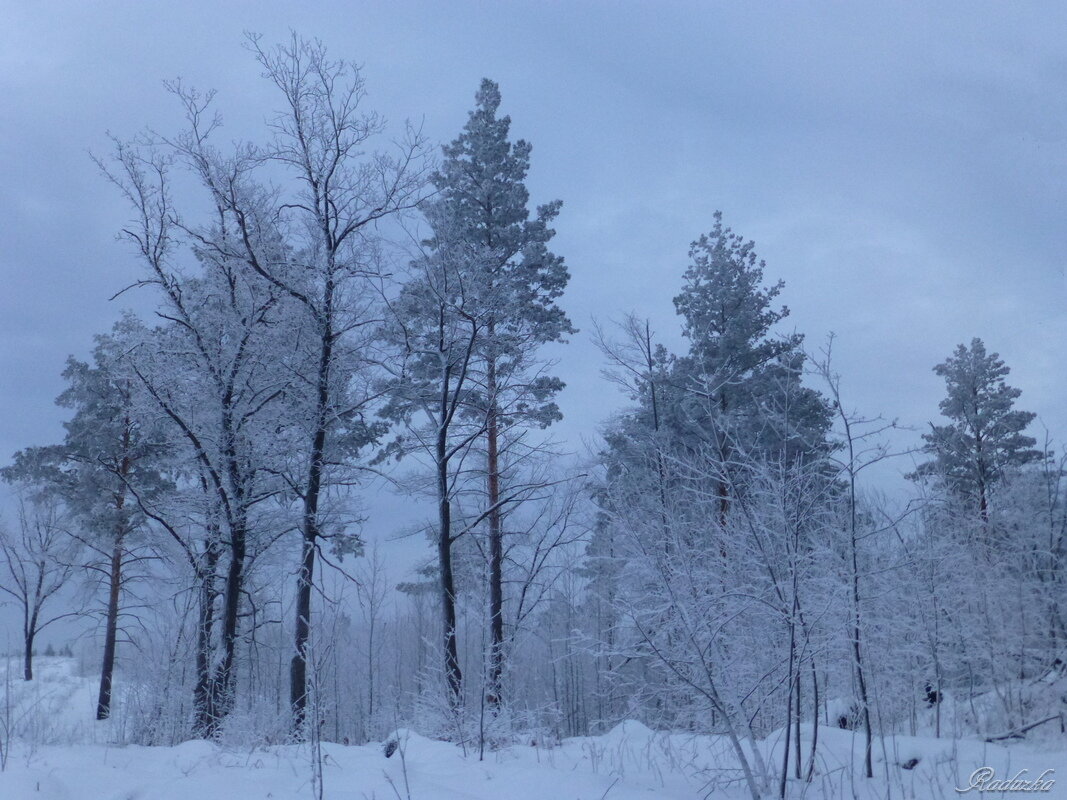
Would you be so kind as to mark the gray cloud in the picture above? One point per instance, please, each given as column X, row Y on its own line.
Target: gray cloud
column 901, row 167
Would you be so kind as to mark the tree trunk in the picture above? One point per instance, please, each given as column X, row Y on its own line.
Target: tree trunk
column 453, row 675
column 205, row 717
column 29, row 630
column 496, row 547
column 983, row 503
column 860, row 675
column 788, row 729
column 796, row 725
column 27, row 657
column 814, row 721
column 302, row 631
column 107, row 669
column 313, row 490
column 723, row 486
column 857, row 650
column 103, row 703
column 225, row 683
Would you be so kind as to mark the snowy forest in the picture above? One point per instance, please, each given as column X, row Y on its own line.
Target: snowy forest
column 346, row 320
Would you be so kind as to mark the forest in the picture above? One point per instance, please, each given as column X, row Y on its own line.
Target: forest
column 343, row 311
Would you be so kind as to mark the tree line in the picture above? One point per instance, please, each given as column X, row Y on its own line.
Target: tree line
column 328, row 316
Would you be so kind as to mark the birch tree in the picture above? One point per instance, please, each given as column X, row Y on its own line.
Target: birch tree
column 312, row 240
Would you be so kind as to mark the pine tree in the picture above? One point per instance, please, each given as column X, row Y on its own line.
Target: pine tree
column 738, row 389
column 107, row 457
column 727, row 313
column 985, row 436
column 739, row 374
column 483, row 201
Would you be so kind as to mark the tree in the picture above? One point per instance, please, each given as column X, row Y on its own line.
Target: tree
column 726, row 434
column 320, row 137
column 862, row 448
column 436, row 324
column 107, row 455
column 727, row 313
column 738, row 389
column 217, row 375
column 219, row 400
column 985, row 436
column 40, row 561
column 740, row 380
column 313, row 244
column 482, row 200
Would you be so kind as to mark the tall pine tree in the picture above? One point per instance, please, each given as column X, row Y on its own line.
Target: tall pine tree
column 482, row 201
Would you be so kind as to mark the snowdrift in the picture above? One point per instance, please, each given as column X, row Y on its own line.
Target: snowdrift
column 61, row 753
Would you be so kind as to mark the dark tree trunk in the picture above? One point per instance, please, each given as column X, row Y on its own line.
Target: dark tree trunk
column 814, row 722
column 453, row 675
column 29, row 631
column 205, row 716
column 496, row 546
column 224, row 687
column 305, row 580
column 796, row 726
column 857, row 649
column 27, row 658
column 792, row 683
column 861, row 679
column 723, row 488
column 298, row 665
column 107, row 670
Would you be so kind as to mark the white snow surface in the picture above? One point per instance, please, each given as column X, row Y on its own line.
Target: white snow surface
column 61, row 753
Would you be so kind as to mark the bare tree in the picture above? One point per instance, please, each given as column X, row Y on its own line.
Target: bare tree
column 305, row 251
column 39, row 556
column 863, row 447
column 320, row 136
column 371, row 593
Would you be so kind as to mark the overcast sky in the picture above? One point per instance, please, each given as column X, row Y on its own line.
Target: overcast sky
column 901, row 167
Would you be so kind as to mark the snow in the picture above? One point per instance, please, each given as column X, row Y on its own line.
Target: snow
column 63, row 754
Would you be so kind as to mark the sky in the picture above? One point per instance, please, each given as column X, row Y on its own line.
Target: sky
column 900, row 166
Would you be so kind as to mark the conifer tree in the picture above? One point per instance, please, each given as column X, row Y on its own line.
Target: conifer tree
column 108, row 454
column 985, row 436
column 483, row 201
column 738, row 369
column 738, row 389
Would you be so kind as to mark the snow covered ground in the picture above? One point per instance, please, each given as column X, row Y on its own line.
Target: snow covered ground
column 62, row 754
